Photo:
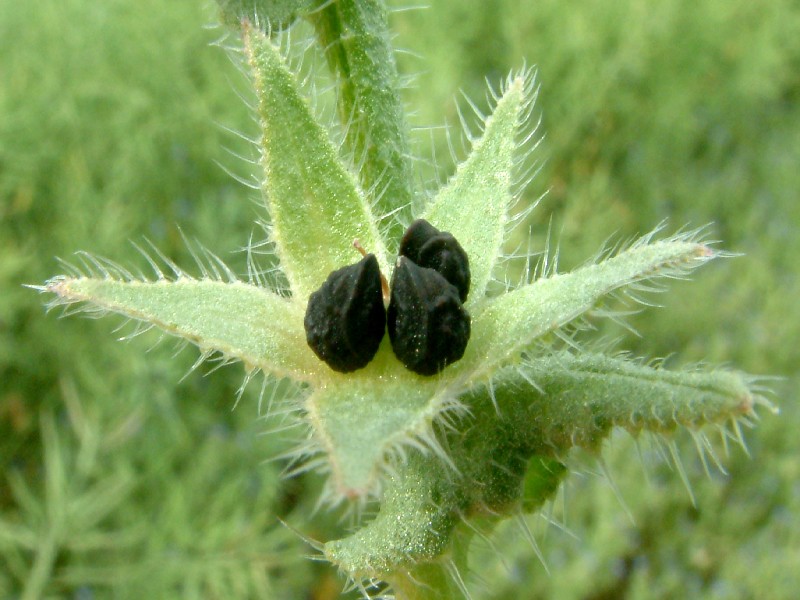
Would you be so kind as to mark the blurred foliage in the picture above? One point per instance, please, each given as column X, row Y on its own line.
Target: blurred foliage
column 120, row 479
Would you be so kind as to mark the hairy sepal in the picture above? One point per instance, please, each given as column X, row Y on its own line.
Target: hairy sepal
column 505, row 325
column 238, row 320
column 316, row 207
column 358, row 418
column 474, row 205
column 578, row 398
column 508, row 453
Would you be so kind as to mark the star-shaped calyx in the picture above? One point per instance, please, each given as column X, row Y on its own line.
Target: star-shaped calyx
column 447, row 409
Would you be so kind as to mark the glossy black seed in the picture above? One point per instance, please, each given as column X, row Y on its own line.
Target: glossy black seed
column 428, row 327
column 428, row 247
column 345, row 318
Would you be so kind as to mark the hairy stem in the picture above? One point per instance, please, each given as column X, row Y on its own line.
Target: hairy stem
column 355, row 38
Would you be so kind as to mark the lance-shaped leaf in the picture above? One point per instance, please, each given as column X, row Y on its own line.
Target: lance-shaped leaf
column 316, row 207
column 578, row 398
column 505, row 325
column 510, row 459
column 474, row 205
column 238, row 320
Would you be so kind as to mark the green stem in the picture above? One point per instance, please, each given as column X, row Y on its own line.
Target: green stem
column 354, row 35
column 42, row 567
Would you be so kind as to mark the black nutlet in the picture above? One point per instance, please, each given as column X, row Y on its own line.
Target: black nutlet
column 345, row 319
column 428, row 326
column 428, row 247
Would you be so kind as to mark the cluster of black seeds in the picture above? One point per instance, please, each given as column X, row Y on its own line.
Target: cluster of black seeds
column 428, row 326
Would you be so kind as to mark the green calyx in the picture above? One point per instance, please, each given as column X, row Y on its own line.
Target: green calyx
column 489, row 435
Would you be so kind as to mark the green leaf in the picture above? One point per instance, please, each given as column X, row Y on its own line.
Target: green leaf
column 510, row 456
column 236, row 319
column 578, row 399
column 503, row 326
column 316, row 207
column 474, row 205
column 360, row 417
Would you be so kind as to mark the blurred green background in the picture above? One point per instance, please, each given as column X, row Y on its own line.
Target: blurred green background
column 120, row 479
